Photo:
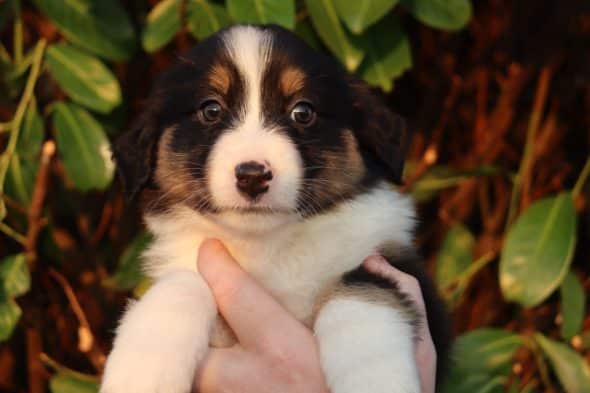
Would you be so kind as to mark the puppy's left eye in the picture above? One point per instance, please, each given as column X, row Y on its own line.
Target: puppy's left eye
column 211, row 111
column 303, row 113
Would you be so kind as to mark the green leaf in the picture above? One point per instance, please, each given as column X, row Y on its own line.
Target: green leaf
column 31, row 134
column 15, row 279
column 360, row 14
column 387, row 54
column 538, row 250
column 486, row 351
column 10, row 313
column 305, row 31
column 84, row 78
column 72, row 383
column 441, row 14
column 101, row 27
column 22, row 169
column 325, row 20
column 455, row 255
column 440, row 177
column 129, row 273
column 281, row 12
column 83, row 146
column 20, row 179
column 482, row 361
column 163, row 22
column 571, row 369
column 142, row 287
column 204, row 18
column 458, row 382
column 573, row 305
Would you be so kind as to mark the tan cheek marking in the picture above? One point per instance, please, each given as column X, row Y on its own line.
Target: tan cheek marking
column 354, row 160
column 344, row 169
column 169, row 174
column 291, row 81
column 220, row 78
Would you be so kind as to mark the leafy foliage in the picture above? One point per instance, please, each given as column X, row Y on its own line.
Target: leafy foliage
column 538, row 250
column 73, row 72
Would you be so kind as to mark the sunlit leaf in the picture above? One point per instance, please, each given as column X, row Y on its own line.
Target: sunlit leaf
column 101, row 27
column 571, row 369
column 441, row 14
column 538, row 250
column 72, row 383
column 15, row 279
column 573, row 305
column 83, row 146
column 387, row 54
column 205, row 18
column 129, row 273
column 163, row 22
column 360, row 14
column 84, row 78
column 455, row 255
column 281, row 12
column 325, row 20
column 10, row 313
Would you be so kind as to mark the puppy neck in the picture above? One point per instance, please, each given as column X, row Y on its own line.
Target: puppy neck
column 328, row 244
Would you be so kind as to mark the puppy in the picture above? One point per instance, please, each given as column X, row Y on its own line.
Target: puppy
column 255, row 139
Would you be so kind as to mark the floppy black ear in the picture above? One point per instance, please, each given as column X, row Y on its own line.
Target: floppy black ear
column 134, row 154
column 380, row 132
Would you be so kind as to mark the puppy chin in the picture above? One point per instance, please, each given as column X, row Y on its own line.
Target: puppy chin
column 254, row 222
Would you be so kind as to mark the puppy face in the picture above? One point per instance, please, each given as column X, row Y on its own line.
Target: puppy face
column 254, row 123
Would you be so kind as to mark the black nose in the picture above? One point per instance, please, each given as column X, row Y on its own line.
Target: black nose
column 252, row 178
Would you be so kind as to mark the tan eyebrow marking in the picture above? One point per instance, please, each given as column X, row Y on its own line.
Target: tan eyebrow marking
column 220, row 78
column 291, row 80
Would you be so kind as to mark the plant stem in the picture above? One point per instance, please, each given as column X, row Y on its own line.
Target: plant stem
column 8, row 231
column 5, row 126
column 532, row 345
column 528, row 154
column 582, row 179
column 18, row 33
column 20, row 112
column 48, row 361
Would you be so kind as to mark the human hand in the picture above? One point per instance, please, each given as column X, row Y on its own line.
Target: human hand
column 425, row 350
column 275, row 352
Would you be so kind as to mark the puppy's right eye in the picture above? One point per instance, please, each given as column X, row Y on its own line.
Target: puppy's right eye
column 210, row 111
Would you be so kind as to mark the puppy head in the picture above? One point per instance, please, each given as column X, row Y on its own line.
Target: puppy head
column 252, row 123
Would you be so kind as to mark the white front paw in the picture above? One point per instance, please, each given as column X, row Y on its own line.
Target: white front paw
column 147, row 370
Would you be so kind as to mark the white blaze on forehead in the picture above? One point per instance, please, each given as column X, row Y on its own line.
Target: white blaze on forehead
column 248, row 138
column 250, row 49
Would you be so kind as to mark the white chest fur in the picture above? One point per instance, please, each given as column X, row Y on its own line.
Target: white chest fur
column 295, row 260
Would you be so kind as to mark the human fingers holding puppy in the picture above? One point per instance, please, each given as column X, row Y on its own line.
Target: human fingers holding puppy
column 276, row 352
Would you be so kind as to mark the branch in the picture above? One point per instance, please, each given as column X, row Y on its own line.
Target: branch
column 19, row 114
column 524, row 173
column 86, row 341
column 37, row 200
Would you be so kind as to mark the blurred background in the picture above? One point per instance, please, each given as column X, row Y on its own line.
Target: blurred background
column 497, row 95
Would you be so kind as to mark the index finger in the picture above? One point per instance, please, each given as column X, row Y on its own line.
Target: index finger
column 256, row 318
